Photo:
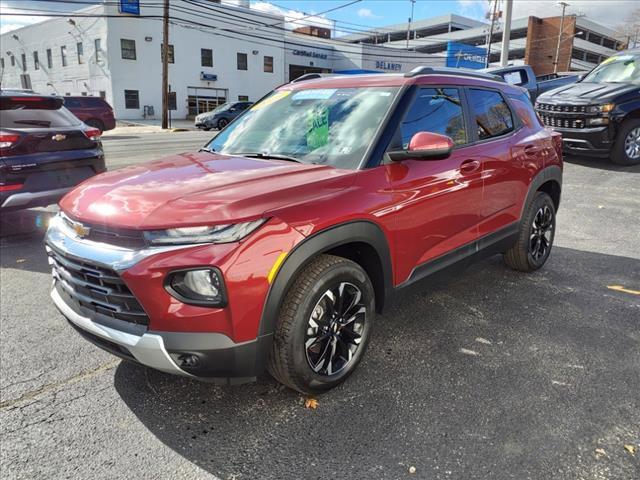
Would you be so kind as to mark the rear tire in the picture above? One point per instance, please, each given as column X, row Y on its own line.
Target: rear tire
column 626, row 149
column 535, row 237
column 324, row 325
column 95, row 123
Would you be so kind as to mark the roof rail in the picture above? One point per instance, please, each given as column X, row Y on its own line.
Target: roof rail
column 312, row 76
column 460, row 72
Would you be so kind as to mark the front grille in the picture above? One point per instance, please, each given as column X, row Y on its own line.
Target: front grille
column 96, row 288
column 548, row 107
column 562, row 122
column 562, row 116
column 132, row 239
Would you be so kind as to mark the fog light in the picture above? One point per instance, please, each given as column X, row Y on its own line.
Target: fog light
column 189, row 361
column 197, row 287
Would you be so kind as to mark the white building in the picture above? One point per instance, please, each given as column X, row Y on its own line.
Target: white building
column 217, row 53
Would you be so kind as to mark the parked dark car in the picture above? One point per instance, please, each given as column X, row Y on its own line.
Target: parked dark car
column 600, row 115
column 524, row 76
column 94, row 111
column 275, row 245
column 221, row 116
column 44, row 151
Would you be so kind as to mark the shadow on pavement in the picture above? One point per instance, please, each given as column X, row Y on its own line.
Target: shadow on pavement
column 601, row 164
column 22, row 239
column 119, row 137
column 494, row 375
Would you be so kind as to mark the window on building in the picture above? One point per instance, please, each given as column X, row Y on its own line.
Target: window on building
column 131, row 99
column 206, row 57
column 36, row 61
column 96, row 47
column 577, row 54
column 80, row 50
column 242, row 61
column 63, row 55
column 24, row 62
column 25, row 81
column 49, row 58
column 2, row 63
column 268, row 64
column 595, row 38
column 128, row 49
column 103, row 94
column 243, row 98
column 171, row 58
column 436, row 110
column 13, row 61
column 491, row 113
column 592, row 58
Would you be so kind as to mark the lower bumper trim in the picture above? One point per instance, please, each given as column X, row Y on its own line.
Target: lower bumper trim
column 148, row 349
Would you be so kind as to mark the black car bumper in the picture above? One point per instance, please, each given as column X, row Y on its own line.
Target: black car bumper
column 592, row 142
column 45, row 184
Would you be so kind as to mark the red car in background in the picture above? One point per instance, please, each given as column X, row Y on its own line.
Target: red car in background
column 276, row 244
column 94, row 111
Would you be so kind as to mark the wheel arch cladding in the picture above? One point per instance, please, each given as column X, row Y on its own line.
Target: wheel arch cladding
column 548, row 180
column 363, row 242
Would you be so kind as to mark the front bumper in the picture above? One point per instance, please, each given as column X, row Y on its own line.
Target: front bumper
column 210, row 355
column 592, row 142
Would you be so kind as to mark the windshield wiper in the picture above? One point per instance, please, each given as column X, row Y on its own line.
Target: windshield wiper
column 205, row 149
column 273, row 156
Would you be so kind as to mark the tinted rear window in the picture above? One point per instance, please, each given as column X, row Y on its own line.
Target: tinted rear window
column 491, row 113
column 21, row 118
column 93, row 102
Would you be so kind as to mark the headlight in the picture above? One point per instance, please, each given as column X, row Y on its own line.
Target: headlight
column 204, row 234
column 598, row 121
column 604, row 108
column 202, row 286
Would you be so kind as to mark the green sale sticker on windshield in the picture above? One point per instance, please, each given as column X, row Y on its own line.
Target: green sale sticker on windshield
column 318, row 128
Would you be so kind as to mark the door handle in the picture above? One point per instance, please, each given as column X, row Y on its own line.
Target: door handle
column 469, row 166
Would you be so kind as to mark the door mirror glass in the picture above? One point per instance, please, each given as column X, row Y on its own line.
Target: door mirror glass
column 425, row 146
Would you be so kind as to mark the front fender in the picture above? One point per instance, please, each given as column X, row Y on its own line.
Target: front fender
column 361, row 231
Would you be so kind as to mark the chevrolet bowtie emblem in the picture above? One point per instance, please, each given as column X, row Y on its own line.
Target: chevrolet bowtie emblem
column 58, row 137
column 80, row 229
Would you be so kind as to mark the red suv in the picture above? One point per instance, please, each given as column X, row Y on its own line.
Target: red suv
column 276, row 244
column 94, row 111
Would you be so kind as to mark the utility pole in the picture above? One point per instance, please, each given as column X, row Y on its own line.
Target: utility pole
column 493, row 19
column 506, row 34
column 413, row 2
column 564, row 5
column 165, row 66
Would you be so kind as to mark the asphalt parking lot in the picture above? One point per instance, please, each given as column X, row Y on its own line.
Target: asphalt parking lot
column 493, row 374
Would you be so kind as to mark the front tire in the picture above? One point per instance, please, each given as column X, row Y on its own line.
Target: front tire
column 626, row 149
column 535, row 237
column 324, row 325
column 222, row 123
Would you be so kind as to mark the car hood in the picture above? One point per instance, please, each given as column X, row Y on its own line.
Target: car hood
column 197, row 189
column 586, row 93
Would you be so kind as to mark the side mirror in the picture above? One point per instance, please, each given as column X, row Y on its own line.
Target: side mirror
column 425, row 146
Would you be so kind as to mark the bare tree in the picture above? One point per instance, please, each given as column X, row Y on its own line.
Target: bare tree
column 629, row 32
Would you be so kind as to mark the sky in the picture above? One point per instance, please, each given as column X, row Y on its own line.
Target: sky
column 365, row 14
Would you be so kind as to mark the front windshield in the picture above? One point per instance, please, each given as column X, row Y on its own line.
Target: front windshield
column 332, row 126
column 618, row 69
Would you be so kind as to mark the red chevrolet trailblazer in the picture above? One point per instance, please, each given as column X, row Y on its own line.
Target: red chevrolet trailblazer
column 276, row 244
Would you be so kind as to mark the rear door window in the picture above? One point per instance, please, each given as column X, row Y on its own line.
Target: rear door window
column 490, row 113
column 436, row 110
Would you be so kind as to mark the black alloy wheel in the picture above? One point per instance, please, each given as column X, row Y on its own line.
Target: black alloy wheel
column 335, row 329
column 541, row 233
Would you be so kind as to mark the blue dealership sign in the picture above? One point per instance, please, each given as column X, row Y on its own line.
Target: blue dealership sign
column 460, row 55
column 129, row 6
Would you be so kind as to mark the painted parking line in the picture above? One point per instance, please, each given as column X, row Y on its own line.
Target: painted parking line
column 620, row 288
